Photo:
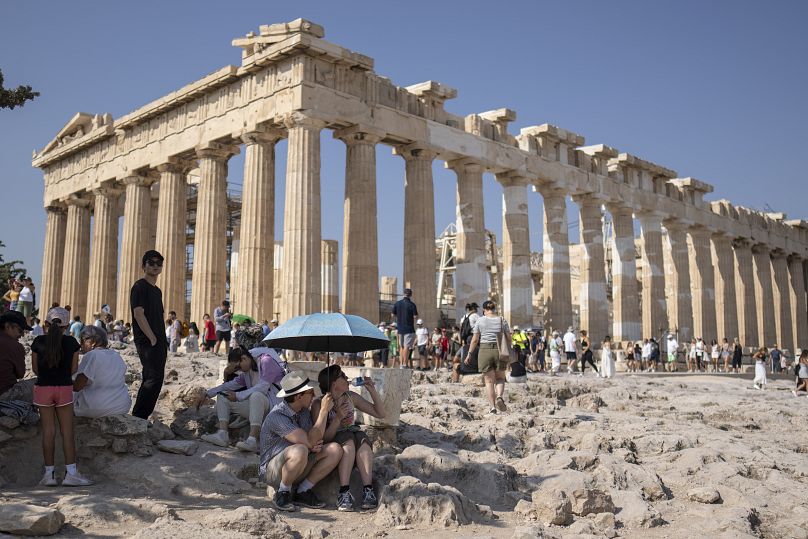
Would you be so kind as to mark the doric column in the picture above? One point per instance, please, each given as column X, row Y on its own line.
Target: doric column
column 50, row 289
column 419, row 230
column 726, row 303
column 654, row 306
column 151, row 243
column 593, row 301
column 360, row 247
column 745, row 293
column 517, row 286
column 209, row 280
column 301, row 218
column 277, row 279
column 764, row 296
column 77, row 255
column 799, row 309
column 389, row 288
column 784, row 325
column 556, row 285
column 330, row 279
column 677, row 277
column 136, row 229
column 255, row 286
column 172, row 217
column 471, row 271
column 102, row 287
column 626, row 312
column 702, row 284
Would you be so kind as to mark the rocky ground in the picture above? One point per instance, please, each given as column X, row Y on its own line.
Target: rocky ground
column 635, row 456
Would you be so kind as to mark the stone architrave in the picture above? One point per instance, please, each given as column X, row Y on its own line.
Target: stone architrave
column 702, row 280
column 255, row 287
column 517, row 285
column 593, row 301
column 77, row 255
column 626, row 311
column 745, row 294
column 783, row 322
column 799, row 308
column 419, row 230
column 209, row 279
column 302, row 286
column 360, row 245
column 330, row 278
column 726, row 303
column 556, row 284
column 136, row 223
column 471, row 271
column 654, row 305
column 50, row 289
column 764, row 295
column 172, row 216
column 677, row 275
column 102, row 286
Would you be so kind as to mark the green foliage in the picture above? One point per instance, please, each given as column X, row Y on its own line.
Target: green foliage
column 10, row 98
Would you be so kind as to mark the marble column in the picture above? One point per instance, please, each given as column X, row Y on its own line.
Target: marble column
column 136, row 228
column 389, row 288
column 277, row 279
column 302, row 286
column 360, row 246
column 593, row 301
column 784, row 325
column 726, row 303
column 654, row 306
column 172, row 216
column 330, row 279
column 419, row 231
column 626, row 309
column 702, row 280
column 517, row 285
column 209, row 279
column 255, row 287
column 556, row 284
column 471, row 266
column 155, row 194
column 102, row 286
column 53, row 259
column 764, row 296
column 799, row 309
column 677, row 275
column 77, row 255
column 745, row 294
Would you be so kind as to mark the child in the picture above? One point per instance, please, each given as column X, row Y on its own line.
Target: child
column 54, row 359
column 760, row 358
column 801, row 368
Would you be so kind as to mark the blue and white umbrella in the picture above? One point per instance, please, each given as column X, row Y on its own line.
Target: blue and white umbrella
column 327, row 332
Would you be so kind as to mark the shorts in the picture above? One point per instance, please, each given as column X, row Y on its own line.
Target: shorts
column 53, row 396
column 736, row 363
column 26, row 308
column 222, row 336
column 671, row 358
column 358, row 436
column 407, row 340
column 422, row 350
column 488, row 358
column 572, row 355
column 272, row 476
column 210, row 344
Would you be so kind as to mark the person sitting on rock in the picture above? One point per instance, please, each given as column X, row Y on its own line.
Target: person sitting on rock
column 245, row 395
column 100, row 386
column 292, row 447
column 357, row 450
column 12, row 358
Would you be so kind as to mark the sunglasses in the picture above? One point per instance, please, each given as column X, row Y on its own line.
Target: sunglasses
column 156, row 263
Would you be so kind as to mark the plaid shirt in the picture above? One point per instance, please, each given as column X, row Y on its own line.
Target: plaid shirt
column 280, row 421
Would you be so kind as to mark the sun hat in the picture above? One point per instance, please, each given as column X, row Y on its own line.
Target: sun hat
column 295, row 382
column 60, row 314
column 420, row 322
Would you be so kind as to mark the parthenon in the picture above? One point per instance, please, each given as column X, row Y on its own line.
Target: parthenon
column 710, row 269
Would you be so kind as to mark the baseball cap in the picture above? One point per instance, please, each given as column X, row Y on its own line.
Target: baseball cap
column 15, row 317
column 420, row 322
column 60, row 314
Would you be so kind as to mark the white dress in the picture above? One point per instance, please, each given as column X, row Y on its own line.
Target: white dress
column 555, row 353
column 106, row 392
column 760, row 372
column 606, row 363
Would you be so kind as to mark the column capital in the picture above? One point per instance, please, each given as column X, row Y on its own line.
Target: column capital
column 649, row 214
column 796, row 258
column 77, row 200
column 760, row 248
column 676, row 223
column 108, row 191
column 417, row 151
column 700, row 232
column 216, row 151
column 266, row 135
column 616, row 208
column 138, row 180
column 176, row 165
column 590, row 199
column 778, row 253
column 300, row 119
column 511, row 179
column 55, row 207
column 741, row 243
column 466, row 164
column 359, row 134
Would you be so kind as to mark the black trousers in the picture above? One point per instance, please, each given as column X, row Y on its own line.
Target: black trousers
column 587, row 358
column 153, row 359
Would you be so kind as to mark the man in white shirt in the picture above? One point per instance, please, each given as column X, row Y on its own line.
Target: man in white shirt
column 421, row 341
column 571, row 350
column 673, row 347
column 174, row 332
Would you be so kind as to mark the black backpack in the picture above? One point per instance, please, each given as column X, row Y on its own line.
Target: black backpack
column 465, row 329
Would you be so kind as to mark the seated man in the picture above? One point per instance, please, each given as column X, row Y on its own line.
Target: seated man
column 292, row 446
column 12, row 359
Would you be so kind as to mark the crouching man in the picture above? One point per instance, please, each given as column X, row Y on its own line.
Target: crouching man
column 292, row 449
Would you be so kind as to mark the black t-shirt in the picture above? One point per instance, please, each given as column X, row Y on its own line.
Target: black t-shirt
column 146, row 295
column 59, row 375
column 405, row 312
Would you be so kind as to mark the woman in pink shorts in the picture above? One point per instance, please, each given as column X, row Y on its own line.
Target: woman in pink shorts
column 54, row 359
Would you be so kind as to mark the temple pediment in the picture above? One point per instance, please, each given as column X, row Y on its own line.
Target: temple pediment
column 79, row 126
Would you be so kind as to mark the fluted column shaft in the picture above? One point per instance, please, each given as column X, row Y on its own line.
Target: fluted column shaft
column 172, row 215
column 593, row 301
column 556, row 286
column 330, row 278
column 702, row 280
column 50, row 289
column 784, row 325
column 77, row 255
column 764, row 295
column 745, row 293
column 799, row 308
column 302, row 286
column 255, row 287
column 471, row 271
column 726, row 302
column 677, row 275
column 654, row 306
column 136, row 230
column 102, row 287
column 626, row 315
column 360, row 245
column 517, row 301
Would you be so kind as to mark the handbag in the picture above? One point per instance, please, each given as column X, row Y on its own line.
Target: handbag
column 506, row 352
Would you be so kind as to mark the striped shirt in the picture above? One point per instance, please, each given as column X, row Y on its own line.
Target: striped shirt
column 280, row 421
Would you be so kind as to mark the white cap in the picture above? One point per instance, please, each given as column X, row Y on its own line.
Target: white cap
column 420, row 322
column 515, row 327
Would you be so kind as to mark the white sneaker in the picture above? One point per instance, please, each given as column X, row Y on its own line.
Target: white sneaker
column 77, row 480
column 49, row 479
column 757, row 386
column 250, row 445
column 221, row 438
column 794, row 393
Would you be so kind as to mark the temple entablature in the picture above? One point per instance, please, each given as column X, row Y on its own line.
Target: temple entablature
column 693, row 190
column 640, row 173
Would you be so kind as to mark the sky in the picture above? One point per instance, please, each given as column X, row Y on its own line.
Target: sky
column 714, row 90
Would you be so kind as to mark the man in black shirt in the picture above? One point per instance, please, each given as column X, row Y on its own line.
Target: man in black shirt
column 146, row 301
column 405, row 312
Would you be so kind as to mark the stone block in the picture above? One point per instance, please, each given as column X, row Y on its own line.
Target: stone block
column 393, row 386
column 704, row 495
column 8, row 422
column 31, row 520
column 180, row 447
column 553, row 507
column 121, row 425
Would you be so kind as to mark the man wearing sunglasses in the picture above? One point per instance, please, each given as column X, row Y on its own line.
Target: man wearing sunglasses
column 146, row 301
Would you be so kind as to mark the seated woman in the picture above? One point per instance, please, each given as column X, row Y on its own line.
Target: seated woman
column 100, row 389
column 340, row 428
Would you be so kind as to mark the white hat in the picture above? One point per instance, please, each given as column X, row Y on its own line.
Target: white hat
column 420, row 322
column 60, row 314
column 295, row 382
column 515, row 328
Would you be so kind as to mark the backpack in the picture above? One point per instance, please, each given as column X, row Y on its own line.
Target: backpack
column 465, row 328
column 185, row 329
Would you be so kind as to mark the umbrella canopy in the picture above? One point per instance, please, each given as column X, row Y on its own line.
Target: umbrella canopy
column 242, row 319
column 327, row 332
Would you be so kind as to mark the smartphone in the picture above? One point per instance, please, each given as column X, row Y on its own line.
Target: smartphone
column 359, row 381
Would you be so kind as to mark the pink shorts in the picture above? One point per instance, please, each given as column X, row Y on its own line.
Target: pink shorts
column 53, row 395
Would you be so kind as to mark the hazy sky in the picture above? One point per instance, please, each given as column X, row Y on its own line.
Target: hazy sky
column 715, row 90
